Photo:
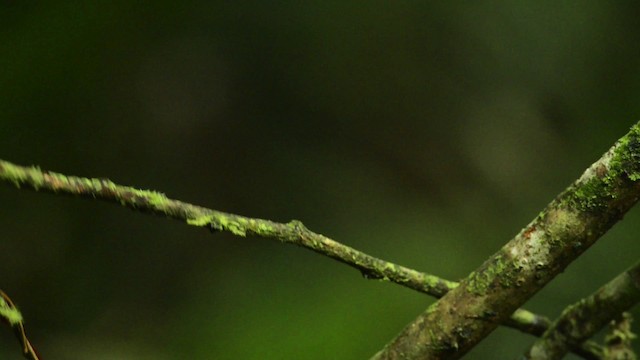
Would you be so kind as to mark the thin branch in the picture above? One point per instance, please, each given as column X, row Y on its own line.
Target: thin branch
column 10, row 313
column 567, row 227
column 293, row 232
column 585, row 318
column 588, row 350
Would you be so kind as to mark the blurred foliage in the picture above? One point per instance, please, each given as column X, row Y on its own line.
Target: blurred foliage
column 424, row 133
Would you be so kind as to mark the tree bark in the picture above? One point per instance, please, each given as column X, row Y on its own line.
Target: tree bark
column 567, row 227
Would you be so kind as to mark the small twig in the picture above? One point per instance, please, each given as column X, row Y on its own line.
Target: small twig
column 13, row 317
column 293, row 232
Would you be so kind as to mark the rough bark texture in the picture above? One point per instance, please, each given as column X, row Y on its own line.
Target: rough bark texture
column 568, row 226
column 618, row 340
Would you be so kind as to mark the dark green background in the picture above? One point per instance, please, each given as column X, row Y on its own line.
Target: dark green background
column 427, row 134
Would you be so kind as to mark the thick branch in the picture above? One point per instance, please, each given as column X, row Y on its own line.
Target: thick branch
column 585, row 318
column 558, row 235
column 293, row 232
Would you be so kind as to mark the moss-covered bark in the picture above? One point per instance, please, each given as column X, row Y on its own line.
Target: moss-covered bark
column 568, row 226
column 618, row 340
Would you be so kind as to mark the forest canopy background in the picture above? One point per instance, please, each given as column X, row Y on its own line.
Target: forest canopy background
column 424, row 134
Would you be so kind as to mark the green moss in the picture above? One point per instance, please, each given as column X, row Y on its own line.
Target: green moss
column 59, row 178
column 589, row 196
column 229, row 224
column 264, row 229
column 203, row 220
column 500, row 268
column 524, row 317
column 18, row 175
column 296, row 225
column 11, row 314
column 597, row 191
column 563, row 224
column 628, row 159
column 93, row 184
column 37, row 178
column 236, row 226
column 158, row 200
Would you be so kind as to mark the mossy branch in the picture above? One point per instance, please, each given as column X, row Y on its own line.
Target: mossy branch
column 585, row 318
column 568, row 226
column 293, row 232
